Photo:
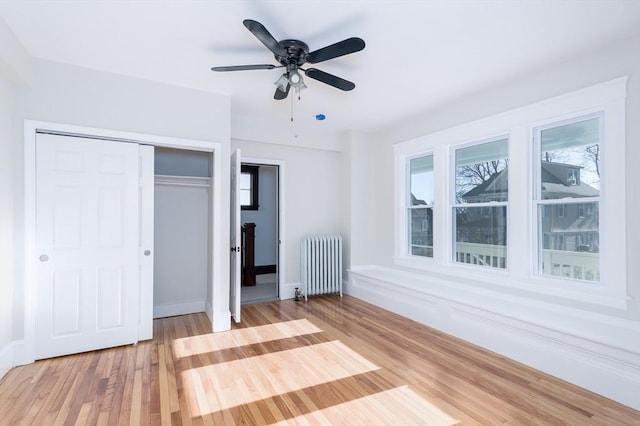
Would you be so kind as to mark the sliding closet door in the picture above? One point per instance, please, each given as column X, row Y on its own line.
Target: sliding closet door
column 87, row 238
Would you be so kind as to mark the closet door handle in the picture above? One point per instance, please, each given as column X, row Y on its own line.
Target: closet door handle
column 147, row 252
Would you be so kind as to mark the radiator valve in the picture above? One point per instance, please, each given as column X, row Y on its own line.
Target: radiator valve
column 298, row 294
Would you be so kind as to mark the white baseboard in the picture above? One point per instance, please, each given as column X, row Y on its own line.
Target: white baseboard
column 6, row 359
column 12, row 355
column 288, row 291
column 572, row 350
column 208, row 309
column 183, row 308
column 222, row 321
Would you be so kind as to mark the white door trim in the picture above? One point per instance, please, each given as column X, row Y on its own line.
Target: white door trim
column 220, row 309
column 281, row 221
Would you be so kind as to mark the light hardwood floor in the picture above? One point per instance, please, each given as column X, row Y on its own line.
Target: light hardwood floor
column 326, row 361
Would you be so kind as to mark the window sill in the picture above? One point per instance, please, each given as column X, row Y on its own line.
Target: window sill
column 491, row 282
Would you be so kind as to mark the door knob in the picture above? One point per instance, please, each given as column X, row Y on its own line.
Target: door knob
column 44, row 258
column 147, row 252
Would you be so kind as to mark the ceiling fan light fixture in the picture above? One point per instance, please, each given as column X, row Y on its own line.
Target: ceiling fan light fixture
column 295, row 79
column 282, row 82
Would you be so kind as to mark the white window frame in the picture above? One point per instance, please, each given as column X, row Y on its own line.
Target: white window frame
column 453, row 204
column 403, row 205
column 561, row 204
column 519, row 124
column 411, row 207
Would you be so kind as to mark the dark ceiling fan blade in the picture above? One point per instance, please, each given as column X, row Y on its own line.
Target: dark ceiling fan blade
column 261, row 33
column 330, row 79
column 280, row 95
column 341, row 48
column 245, row 67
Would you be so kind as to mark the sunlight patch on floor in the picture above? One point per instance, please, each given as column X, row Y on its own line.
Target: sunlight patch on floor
column 221, row 386
column 398, row 406
column 195, row 345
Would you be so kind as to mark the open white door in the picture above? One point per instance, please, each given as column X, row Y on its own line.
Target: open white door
column 87, row 242
column 236, row 255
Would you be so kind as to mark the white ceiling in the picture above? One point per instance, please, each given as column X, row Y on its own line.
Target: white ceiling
column 418, row 53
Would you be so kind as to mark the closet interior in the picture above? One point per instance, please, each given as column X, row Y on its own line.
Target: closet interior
column 182, row 222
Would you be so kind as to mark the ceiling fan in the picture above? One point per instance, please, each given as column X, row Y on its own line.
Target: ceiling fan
column 292, row 54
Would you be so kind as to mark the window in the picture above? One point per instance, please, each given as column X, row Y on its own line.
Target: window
column 420, row 206
column 569, row 167
column 480, row 204
column 523, row 209
column 249, row 187
column 560, row 210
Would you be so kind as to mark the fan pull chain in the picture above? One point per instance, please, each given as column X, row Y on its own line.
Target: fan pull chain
column 292, row 109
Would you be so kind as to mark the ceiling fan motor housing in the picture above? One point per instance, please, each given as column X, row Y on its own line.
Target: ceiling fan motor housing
column 297, row 52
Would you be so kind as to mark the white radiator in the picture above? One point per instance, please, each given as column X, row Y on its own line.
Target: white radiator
column 321, row 266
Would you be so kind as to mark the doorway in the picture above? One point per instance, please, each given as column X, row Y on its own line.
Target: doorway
column 217, row 307
column 260, row 213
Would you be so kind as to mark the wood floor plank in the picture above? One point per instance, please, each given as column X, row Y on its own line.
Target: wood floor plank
column 165, row 406
column 136, row 399
column 330, row 360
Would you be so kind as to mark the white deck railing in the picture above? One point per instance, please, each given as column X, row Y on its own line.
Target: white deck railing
column 481, row 254
column 571, row 264
column 560, row 263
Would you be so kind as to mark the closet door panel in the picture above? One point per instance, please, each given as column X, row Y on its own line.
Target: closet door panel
column 87, row 218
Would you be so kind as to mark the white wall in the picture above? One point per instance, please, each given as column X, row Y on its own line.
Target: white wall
column 72, row 95
column 284, row 132
column 266, row 217
column 14, row 69
column 593, row 346
column 47, row 91
column 7, row 270
column 68, row 94
column 571, row 75
column 360, row 199
column 181, row 162
column 312, row 195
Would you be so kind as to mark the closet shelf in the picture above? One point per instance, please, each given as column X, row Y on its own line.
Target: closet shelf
column 170, row 180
